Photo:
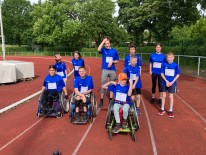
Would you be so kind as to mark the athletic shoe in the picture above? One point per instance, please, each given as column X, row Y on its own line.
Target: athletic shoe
column 101, row 103
column 85, row 117
column 117, row 128
column 138, row 111
column 160, row 101
column 152, row 100
column 161, row 112
column 171, row 115
column 124, row 124
column 77, row 118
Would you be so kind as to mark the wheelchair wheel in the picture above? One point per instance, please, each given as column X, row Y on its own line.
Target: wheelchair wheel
column 64, row 103
column 91, row 119
column 108, row 119
column 133, row 137
column 110, row 134
column 94, row 104
column 59, row 115
column 70, row 119
column 135, row 117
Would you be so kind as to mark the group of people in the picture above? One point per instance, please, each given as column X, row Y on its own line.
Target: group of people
column 163, row 70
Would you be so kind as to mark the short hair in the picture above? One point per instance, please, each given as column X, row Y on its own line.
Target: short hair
column 158, row 44
column 82, row 67
column 131, row 46
column 77, row 52
column 170, row 53
column 133, row 57
column 52, row 66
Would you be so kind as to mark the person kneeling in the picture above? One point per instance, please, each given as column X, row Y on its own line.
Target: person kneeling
column 83, row 86
column 122, row 93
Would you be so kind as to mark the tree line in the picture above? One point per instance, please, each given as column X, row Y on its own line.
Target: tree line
column 83, row 23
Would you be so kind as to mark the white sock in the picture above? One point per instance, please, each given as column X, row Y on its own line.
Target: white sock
column 163, row 108
column 171, row 109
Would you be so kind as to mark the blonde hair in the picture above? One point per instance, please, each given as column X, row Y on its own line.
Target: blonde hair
column 170, row 53
column 133, row 57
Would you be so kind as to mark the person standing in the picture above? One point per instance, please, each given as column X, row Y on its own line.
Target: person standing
column 110, row 57
column 156, row 59
column 77, row 62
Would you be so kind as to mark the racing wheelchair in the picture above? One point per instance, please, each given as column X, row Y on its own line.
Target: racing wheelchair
column 133, row 122
column 91, row 109
column 59, row 107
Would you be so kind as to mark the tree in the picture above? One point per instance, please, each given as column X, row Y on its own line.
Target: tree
column 16, row 17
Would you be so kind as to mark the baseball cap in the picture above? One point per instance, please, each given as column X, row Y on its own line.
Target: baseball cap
column 122, row 76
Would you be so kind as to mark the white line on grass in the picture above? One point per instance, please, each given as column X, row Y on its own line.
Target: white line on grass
column 150, row 129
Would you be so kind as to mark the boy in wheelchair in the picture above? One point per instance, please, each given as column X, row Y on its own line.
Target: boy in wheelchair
column 122, row 93
column 53, row 85
column 83, row 86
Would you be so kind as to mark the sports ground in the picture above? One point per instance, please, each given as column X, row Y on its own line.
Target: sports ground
column 23, row 133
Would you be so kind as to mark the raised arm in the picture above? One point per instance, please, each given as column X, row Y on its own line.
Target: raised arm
column 101, row 45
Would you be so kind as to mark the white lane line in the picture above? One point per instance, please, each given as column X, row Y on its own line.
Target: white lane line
column 150, row 129
column 191, row 108
column 11, row 141
column 84, row 136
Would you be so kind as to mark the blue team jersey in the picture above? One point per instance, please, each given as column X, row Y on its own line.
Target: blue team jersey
column 83, row 84
column 127, row 60
column 107, row 56
column 54, row 83
column 170, row 71
column 76, row 64
column 157, row 60
column 61, row 69
column 132, row 73
column 120, row 93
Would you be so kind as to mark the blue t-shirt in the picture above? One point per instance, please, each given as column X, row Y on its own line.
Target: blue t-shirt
column 122, row 91
column 61, row 69
column 157, row 60
column 76, row 64
column 170, row 71
column 107, row 56
column 133, row 72
column 84, row 84
column 54, row 83
column 127, row 60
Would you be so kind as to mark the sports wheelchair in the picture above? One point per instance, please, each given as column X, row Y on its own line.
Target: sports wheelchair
column 133, row 122
column 91, row 109
column 59, row 107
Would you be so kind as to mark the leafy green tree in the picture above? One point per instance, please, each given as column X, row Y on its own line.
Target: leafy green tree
column 181, row 33
column 199, row 29
column 16, row 17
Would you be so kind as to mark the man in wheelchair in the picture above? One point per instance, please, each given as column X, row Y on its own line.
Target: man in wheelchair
column 122, row 93
column 53, row 85
column 83, row 86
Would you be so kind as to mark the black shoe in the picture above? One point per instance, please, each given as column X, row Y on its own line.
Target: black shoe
column 101, row 103
column 152, row 100
column 124, row 124
column 85, row 117
column 160, row 101
column 117, row 128
column 138, row 111
column 77, row 118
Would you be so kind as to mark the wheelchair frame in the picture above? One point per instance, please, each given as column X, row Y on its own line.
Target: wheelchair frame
column 92, row 108
column 132, row 117
column 61, row 107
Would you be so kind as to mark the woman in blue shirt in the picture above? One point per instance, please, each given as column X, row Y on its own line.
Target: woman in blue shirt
column 53, row 84
column 77, row 62
column 156, row 60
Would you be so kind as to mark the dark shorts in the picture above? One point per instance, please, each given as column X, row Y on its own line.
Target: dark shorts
column 136, row 91
column 172, row 89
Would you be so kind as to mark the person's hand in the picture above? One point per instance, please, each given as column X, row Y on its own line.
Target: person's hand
column 150, row 73
column 133, row 86
column 104, row 40
column 66, row 96
column 130, row 82
column 110, row 64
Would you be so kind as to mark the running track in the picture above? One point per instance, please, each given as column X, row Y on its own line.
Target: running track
column 21, row 132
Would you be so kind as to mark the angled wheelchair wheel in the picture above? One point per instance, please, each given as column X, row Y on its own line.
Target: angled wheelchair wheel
column 110, row 134
column 108, row 119
column 59, row 115
column 133, row 137
column 93, row 104
column 135, row 117
column 64, row 103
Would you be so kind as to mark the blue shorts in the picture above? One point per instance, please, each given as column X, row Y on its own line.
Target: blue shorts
column 172, row 89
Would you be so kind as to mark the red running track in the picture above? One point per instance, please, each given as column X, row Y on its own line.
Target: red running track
column 23, row 133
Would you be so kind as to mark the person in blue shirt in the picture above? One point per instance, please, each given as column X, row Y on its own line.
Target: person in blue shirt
column 61, row 67
column 83, row 85
column 156, row 59
column 53, row 84
column 110, row 57
column 122, row 93
column 133, row 72
column 132, row 50
column 77, row 62
column 170, row 72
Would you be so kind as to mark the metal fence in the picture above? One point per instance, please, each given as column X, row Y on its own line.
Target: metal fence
column 193, row 65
